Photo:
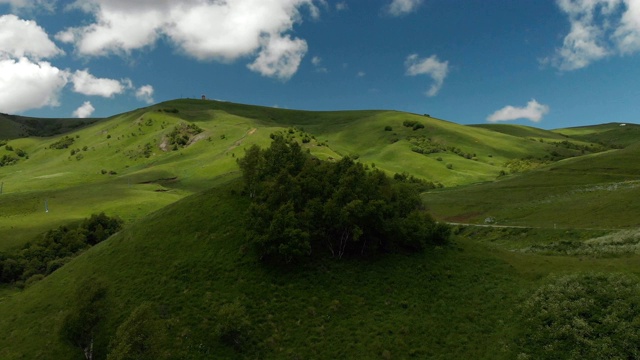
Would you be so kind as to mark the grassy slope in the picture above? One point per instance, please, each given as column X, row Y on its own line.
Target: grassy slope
column 612, row 133
column 188, row 258
column 76, row 188
column 591, row 191
column 451, row 303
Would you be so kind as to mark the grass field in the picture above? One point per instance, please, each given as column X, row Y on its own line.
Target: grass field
column 183, row 247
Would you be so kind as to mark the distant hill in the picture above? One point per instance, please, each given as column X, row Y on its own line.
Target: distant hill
column 613, row 134
column 13, row 126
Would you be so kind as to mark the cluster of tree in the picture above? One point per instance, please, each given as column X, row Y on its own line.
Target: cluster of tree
column 56, row 247
column 419, row 184
column 6, row 160
column 302, row 207
column 414, row 124
column 181, row 134
column 63, row 143
column 425, row 145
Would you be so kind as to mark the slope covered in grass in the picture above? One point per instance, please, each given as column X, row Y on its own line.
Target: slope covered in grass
column 594, row 191
column 129, row 165
column 617, row 134
column 190, row 260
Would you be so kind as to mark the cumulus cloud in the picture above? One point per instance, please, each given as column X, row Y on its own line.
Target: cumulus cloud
column 20, row 38
column 87, row 84
column 599, row 29
column 205, row 30
column 534, row 111
column 26, row 85
column 402, row 7
column 430, row 66
column 145, row 93
column 84, row 111
column 280, row 57
column 19, row 5
column 341, row 6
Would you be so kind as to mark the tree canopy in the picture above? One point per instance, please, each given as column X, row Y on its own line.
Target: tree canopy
column 303, row 207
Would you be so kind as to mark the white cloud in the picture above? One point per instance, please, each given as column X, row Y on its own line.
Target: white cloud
column 534, row 111
column 84, row 111
column 87, row 84
column 430, row 66
column 361, row 74
column 403, row 7
column 145, row 93
column 26, row 85
column 317, row 63
column 627, row 35
column 20, row 38
column 599, row 29
column 280, row 57
column 205, row 30
column 341, row 6
column 18, row 5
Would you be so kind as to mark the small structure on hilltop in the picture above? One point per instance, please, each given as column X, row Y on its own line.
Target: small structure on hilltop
column 204, row 97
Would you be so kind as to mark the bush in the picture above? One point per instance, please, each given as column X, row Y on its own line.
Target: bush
column 33, row 279
column 583, row 316
column 63, row 143
column 233, row 325
column 388, row 128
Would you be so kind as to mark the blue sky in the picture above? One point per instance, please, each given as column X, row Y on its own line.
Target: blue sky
column 544, row 63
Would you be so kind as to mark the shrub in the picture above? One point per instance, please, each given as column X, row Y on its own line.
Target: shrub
column 409, row 123
column 583, row 316
column 233, row 325
column 33, row 279
column 388, row 128
column 63, row 143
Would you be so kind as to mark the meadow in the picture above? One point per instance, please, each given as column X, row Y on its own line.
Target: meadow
column 183, row 251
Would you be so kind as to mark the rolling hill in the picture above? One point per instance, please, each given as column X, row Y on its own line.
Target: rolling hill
column 170, row 172
column 124, row 165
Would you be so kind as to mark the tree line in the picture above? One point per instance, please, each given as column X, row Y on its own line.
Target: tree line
column 305, row 208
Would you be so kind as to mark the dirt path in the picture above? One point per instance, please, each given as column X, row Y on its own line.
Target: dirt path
column 239, row 141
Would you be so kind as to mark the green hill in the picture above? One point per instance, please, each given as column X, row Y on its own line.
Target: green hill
column 616, row 134
column 592, row 191
column 126, row 165
column 170, row 172
column 13, row 126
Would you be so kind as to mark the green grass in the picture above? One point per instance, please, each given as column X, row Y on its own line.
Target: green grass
column 76, row 185
column 183, row 247
column 189, row 260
